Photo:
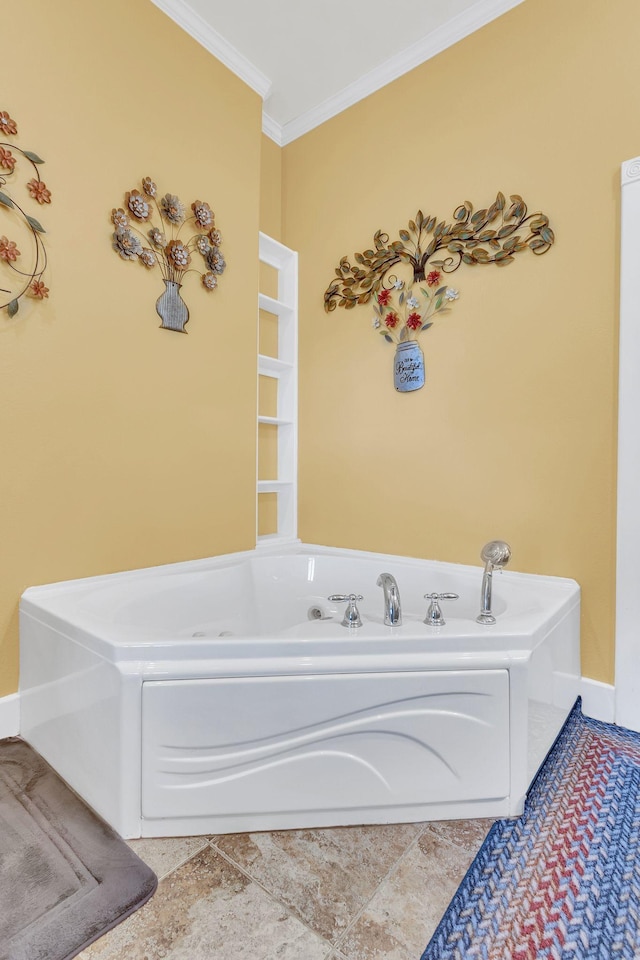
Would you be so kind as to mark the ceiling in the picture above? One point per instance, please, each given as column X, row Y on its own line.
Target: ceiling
column 310, row 59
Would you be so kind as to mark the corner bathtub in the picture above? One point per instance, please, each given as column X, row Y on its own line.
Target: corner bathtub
column 208, row 697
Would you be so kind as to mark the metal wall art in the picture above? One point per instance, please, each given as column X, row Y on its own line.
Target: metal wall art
column 134, row 227
column 15, row 282
column 403, row 310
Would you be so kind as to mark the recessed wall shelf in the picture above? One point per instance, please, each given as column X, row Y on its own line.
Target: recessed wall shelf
column 272, row 305
column 274, row 486
column 272, row 367
column 277, row 420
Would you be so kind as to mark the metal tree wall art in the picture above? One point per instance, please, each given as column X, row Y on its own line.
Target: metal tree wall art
column 15, row 282
column 494, row 234
column 134, row 227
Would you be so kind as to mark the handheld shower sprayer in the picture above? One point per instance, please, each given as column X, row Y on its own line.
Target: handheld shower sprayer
column 495, row 554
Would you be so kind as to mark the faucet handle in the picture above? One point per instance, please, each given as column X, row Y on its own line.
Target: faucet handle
column 434, row 616
column 351, row 615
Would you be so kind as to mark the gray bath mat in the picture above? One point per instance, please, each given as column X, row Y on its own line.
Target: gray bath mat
column 65, row 876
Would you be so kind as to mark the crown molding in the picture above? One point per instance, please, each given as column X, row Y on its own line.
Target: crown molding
column 630, row 171
column 460, row 26
column 272, row 128
column 198, row 28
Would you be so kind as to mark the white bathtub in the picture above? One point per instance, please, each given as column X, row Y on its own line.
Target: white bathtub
column 200, row 698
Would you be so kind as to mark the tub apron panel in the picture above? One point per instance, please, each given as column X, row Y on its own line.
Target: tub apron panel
column 246, row 746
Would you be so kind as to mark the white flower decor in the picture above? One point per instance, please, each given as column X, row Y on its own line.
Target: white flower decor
column 178, row 239
column 171, row 252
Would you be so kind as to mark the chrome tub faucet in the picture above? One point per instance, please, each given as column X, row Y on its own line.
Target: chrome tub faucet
column 351, row 617
column 434, row 616
column 495, row 554
column 392, row 606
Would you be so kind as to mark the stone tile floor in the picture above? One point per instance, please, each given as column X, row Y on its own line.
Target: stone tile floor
column 348, row 893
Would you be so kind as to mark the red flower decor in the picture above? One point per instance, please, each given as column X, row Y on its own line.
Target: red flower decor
column 8, row 250
column 38, row 290
column 7, row 159
column 38, row 190
column 404, row 315
column 7, row 125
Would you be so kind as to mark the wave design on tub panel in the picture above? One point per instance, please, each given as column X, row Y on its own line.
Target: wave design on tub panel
column 308, row 730
column 294, row 712
column 219, row 772
column 391, row 752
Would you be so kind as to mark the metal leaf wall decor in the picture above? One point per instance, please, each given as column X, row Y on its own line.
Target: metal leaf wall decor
column 494, row 234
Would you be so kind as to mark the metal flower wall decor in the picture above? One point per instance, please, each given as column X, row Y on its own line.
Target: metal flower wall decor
column 28, row 280
column 402, row 310
column 134, row 227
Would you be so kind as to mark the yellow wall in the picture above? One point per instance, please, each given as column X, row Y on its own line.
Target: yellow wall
column 124, row 445
column 271, row 188
column 514, row 434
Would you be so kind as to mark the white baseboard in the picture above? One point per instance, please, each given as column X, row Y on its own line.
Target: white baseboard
column 598, row 700
column 10, row 715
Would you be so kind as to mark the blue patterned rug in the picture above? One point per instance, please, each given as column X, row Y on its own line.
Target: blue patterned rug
column 562, row 882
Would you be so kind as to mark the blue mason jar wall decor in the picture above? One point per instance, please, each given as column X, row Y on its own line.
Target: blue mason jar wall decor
column 408, row 366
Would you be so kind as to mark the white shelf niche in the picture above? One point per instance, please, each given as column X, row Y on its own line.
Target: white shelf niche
column 280, row 314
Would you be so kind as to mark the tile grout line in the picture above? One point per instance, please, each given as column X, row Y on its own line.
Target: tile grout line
column 178, row 865
column 284, row 906
column 384, row 879
column 427, row 827
column 333, row 947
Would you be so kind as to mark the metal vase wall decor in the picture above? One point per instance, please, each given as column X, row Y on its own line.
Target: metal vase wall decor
column 22, row 273
column 171, row 308
column 134, row 227
column 405, row 309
